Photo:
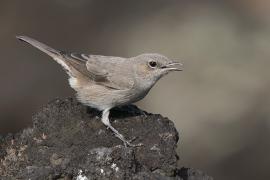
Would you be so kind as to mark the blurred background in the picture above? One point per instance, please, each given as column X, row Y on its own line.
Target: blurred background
column 220, row 103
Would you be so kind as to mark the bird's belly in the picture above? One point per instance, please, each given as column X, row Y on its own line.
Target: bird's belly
column 108, row 99
column 100, row 97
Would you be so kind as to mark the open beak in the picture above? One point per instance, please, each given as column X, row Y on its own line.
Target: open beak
column 173, row 66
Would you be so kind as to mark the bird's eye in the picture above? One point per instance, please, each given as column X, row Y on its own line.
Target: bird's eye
column 153, row 64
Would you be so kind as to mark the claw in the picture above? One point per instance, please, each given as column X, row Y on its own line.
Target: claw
column 132, row 145
column 133, row 139
column 127, row 142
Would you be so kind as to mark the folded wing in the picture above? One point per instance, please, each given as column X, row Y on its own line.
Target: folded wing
column 111, row 72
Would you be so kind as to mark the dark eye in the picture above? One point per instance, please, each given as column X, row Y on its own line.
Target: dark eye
column 153, row 64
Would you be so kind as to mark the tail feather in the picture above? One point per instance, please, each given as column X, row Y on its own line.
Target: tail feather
column 55, row 54
column 43, row 47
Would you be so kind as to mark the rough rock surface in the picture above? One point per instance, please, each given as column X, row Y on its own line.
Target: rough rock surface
column 68, row 141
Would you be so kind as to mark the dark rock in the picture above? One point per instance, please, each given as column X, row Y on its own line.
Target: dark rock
column 192, row 174
column 68, row 141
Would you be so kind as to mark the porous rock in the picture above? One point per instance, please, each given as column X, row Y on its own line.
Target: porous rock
column 68, row 141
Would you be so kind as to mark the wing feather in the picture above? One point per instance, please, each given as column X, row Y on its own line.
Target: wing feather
column 111, row 72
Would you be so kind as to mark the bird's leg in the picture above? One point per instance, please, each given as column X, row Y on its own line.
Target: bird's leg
column 106, row 121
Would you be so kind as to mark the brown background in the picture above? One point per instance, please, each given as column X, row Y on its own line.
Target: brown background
column 221, row 101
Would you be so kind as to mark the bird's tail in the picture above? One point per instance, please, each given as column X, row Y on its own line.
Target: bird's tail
column 43, row 47
column 55, row 54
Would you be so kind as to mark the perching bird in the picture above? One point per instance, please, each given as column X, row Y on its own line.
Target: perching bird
column 104, row 82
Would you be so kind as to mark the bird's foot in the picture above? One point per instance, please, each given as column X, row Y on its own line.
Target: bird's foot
column 127, row 142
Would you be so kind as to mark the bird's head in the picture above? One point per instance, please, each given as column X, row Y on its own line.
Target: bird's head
column 149, row 68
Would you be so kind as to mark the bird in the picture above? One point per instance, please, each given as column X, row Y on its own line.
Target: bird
column 105, row 82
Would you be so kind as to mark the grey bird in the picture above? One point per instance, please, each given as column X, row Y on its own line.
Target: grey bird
column 104, row 82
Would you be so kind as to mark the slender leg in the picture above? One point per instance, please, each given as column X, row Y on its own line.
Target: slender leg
column 106, row 121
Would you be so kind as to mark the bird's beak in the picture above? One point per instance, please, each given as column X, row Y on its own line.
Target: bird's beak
column 173, row 66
